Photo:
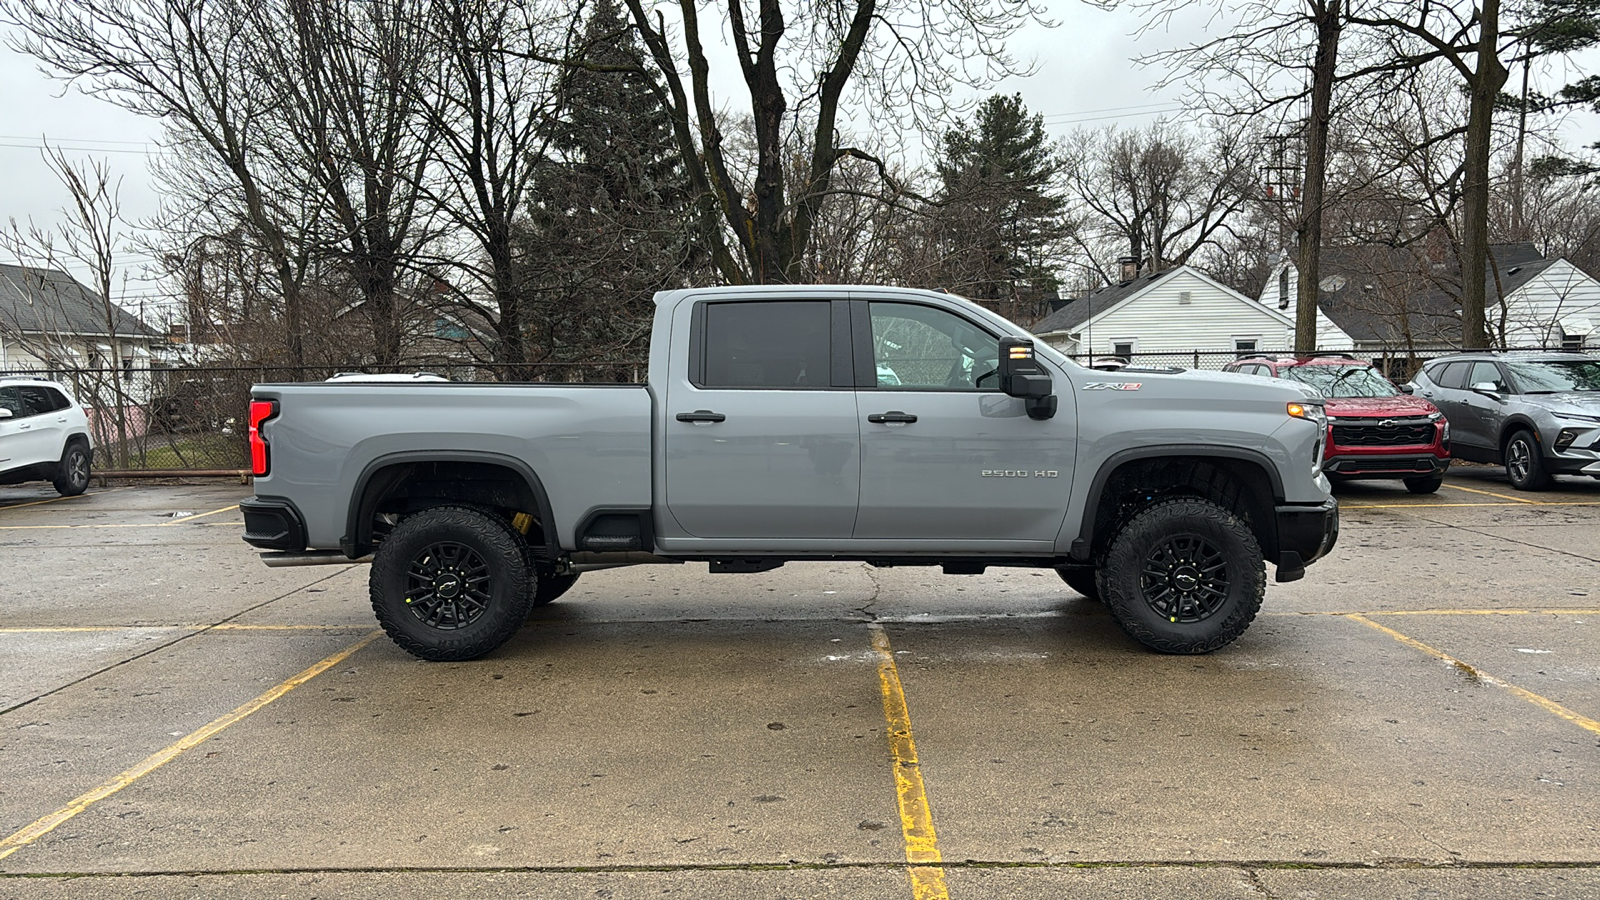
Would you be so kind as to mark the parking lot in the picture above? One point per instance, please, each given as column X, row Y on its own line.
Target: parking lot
column 1416, row 718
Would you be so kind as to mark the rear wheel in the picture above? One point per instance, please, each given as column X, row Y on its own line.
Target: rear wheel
column 1424, row 485
column 451, row 583
column 72, row 474
column 1184, row 576
column 1081, row 580
column 1524, row 463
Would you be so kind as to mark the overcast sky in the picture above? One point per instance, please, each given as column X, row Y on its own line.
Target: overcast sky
column 1085, row 77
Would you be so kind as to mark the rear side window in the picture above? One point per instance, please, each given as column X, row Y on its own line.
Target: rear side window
column 1451, row 375
column 36, row 400
column 766, row 344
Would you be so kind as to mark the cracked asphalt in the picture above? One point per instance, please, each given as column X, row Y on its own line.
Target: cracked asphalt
column 1416, row 718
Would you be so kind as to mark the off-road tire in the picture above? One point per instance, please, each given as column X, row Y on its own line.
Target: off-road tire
column 1525, row 462
column 451, row 583
column 1184, row 575
column 549, row 586
column 72, row 473
column 1082, row 580
column 1426, row 485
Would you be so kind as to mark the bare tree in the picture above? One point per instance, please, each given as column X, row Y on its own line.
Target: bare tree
column 799, row 63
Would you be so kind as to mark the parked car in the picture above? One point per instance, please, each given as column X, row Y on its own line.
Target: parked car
column 1108, row 363
column 1538, row 414
column 44, row 435
column 1375, row 429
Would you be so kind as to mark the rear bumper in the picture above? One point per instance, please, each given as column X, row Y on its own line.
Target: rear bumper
column 272, row 523
column 1305, row 535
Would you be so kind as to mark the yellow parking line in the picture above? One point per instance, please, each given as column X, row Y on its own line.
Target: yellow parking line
column 916, row 818
column 49, row 823
column 1544, row 703
column 201, row 516
column 59, row 499
column 1457, row 487
column 1465, row 505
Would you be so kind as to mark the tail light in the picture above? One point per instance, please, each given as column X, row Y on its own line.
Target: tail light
column 260, row 411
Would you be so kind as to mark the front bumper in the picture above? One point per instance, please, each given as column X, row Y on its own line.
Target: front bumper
column 1306, row 533
column 1385, row 465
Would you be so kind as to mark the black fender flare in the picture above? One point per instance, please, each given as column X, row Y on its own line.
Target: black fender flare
column 357, row 541
column 1081, row 548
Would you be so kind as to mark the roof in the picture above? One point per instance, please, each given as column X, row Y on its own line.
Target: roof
column 1080, row 310
column 51, row 302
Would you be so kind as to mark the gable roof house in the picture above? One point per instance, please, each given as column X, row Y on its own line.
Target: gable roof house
column 52, row 324
column 1389, row 298
column 1179, row 316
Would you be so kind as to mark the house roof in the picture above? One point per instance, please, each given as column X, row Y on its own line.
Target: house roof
column 51, row 302
column 1081, row 309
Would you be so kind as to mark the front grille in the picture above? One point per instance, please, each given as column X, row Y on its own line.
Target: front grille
column 1374, row 433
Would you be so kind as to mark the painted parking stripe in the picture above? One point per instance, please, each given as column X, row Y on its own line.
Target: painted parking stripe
column 49, row 823
column 1466, row 505
column 59, row 499
column 1544, row 703
column 916, row 818
column 1457, row 487
column 201, row 515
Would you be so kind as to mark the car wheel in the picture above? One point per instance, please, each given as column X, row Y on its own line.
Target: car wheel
column 1184, row 576
column 549, row 586
column 1524, row 463
column 451, row 583
column 1081, row 580
column 1424, row 485
column 72, row 475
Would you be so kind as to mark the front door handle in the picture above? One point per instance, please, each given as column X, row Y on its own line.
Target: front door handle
column 701, row 415
column 892, row 417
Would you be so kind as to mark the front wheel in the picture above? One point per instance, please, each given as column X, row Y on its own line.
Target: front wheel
column 1184, row 576
column 1424, row 485
column 1525, row 464
column 450, row 583
column 72, row 474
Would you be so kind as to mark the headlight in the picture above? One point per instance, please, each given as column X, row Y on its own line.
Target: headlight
column 1573, row 417
column 1311, row 412
column 1435, row 416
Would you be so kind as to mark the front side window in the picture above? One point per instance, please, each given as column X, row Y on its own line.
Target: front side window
column 22, row 404
column 767, row 344
column 917, row 346
column 1485, row 373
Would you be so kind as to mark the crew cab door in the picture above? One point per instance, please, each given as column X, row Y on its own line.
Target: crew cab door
column 761, row 440
column 946, row 457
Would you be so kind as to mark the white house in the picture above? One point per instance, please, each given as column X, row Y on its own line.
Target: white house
column 1178, row 316
column 1548, row 303
column 53, row 325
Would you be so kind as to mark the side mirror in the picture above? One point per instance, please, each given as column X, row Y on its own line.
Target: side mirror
column 5, row 413
column 1408, row 388
column 1022, row 376
column 1487, row 388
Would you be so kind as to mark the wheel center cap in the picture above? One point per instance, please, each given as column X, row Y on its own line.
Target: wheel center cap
column 447, row 586
column 1186, row 579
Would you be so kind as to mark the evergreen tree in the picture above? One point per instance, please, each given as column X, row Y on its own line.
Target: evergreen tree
column 611, row 221
column 1001, row 210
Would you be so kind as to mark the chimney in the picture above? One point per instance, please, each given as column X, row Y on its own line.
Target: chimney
column 1130, row 267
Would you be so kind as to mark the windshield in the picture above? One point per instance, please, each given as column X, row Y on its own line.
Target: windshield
column 1343, row 381
column 1550, row 376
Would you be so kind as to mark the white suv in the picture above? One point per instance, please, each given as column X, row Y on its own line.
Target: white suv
column 44, row 435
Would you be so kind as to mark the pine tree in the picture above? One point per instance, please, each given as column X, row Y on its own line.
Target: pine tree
column 1001, row 210
column 611, row 222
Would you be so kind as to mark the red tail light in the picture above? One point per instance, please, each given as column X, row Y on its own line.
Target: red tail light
column 260, row 411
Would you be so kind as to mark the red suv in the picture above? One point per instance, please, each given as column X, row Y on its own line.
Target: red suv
column 1375, row 430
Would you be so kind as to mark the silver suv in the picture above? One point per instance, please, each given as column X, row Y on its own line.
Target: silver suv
column 1538, row 414
column 44, row 435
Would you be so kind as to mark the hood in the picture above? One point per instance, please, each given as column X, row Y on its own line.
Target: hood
column 1398, row 406
column 1582, row 403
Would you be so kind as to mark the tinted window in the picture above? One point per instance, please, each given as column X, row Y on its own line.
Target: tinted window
column 922, row 347
column 1452, row 375
column 782, row 344
column 1539, row 377
column 1486, row 372
column 10, row 400
column 38, row 400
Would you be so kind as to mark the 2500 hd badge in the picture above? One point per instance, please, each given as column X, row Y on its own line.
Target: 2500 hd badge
column 1020, row 473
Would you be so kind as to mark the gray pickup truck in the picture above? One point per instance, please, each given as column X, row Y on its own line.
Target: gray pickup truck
column 781, row 424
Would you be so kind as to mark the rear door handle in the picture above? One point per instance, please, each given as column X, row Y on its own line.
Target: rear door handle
column 701, row 415
column 892, row 417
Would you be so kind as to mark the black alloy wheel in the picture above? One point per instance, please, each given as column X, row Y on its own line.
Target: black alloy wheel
column 451, row 583
column 1183, row 575
column 1185, row 579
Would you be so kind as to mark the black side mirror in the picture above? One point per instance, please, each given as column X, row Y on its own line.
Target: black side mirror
column 1407, row 389
column 1022, row 376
